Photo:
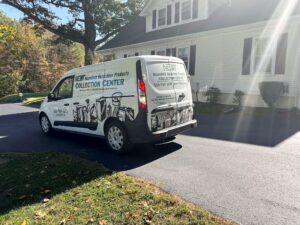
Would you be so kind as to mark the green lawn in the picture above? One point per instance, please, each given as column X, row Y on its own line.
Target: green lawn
column 51, row 188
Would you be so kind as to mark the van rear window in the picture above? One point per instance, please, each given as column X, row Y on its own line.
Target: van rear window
column 166, row 76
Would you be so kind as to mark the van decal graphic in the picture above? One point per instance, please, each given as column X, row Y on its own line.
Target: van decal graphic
column 165, row 118
column 102, row 109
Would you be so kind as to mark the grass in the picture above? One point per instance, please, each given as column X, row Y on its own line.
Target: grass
column 51, row 188
column 16, row 98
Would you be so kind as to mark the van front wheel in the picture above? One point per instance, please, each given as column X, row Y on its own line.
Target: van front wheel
column 45, row 124
column 117, row 138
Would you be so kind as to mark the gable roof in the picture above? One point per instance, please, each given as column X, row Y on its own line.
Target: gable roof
column 240, row 12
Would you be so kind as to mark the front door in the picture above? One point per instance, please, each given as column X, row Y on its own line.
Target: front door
column 60, row 106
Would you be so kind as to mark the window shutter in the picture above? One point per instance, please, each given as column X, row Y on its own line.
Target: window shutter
column 168, row 52
column 195, row 9
column 169, row 14
column 177, row 12
column 154, row 15
column 247, row 56
column 192, row 60
column 281, row 54
column 174, row 52
column 125, row 55
column 153, row 52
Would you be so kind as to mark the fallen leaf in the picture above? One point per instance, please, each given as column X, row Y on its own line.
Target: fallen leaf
column 40, row 215
column 22, row 197
column 45, row 200
column 102, row 222
column 76, row 193
column 42, row 172
column 76, row 209
column 62, row 222
column 24, row 222
column 132, row 216
column 145, row 204
column 148, row 222
column 47, row 191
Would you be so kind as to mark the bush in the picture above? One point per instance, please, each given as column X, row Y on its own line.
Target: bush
column 212, row 95
column 238, row 97
column 8, row 84
column 271, row 92
column 15, row 98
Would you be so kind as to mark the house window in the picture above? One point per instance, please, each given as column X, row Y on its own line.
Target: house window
column 186, row 10
column 162, row 17
column 264, row 55
column 169, row 14
column 162, row 52
column 177, row 12
column 184, row 54
column 125, row 56
column 154, row 19
column 261, row 56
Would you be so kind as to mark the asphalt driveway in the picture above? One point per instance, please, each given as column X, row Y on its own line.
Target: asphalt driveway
column 245, row 169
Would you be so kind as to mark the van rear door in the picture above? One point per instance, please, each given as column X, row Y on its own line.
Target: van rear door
column 168, row 92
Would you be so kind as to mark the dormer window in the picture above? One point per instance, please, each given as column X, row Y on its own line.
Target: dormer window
column 177, row 12
column 162, row 17
column 186, row 10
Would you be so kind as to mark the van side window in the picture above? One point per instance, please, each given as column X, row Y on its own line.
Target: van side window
column 65, row 89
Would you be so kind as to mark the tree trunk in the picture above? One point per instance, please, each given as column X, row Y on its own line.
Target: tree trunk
column 89, row 56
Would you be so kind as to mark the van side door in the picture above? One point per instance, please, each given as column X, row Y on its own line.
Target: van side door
column 60, row 105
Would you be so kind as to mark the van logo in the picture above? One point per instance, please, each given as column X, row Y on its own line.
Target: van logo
column 80, row 78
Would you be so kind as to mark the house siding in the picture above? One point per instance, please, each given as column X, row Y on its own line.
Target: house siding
column 219, row 60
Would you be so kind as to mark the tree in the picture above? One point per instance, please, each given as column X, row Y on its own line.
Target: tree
column 30, row 59
column 91, row 23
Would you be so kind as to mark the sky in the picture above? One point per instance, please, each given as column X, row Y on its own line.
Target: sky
column 16, row 14
column 11, row 12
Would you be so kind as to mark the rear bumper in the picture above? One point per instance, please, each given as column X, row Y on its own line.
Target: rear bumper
column 164, row 134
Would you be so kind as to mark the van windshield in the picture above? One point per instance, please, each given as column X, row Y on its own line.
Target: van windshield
column 166, row 76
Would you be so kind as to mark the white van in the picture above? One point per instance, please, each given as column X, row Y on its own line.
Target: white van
column 134, row 100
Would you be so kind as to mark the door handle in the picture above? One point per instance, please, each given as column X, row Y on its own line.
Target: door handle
column 67, row 104
column 76, row 103
column 182, row 95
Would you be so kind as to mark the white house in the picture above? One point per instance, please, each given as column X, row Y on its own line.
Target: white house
column 228, row 44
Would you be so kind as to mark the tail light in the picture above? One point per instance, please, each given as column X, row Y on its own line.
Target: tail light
column 142, row 96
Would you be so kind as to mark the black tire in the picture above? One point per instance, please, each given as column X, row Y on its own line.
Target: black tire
column 117, row 138
column 45, row 124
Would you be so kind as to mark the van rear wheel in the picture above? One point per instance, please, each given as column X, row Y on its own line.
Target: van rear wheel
column 117, row 138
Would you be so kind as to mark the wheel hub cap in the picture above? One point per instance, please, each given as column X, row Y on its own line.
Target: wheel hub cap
column 115, row 138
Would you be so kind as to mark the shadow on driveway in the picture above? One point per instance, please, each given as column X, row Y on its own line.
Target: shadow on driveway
column 21, row 133
column 265, row 130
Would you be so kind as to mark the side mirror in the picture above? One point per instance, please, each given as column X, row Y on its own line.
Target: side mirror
column 51, row 97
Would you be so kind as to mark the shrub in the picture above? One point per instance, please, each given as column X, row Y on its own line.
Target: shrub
column 238, row 97
column 271, row 92
column 212, row 95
